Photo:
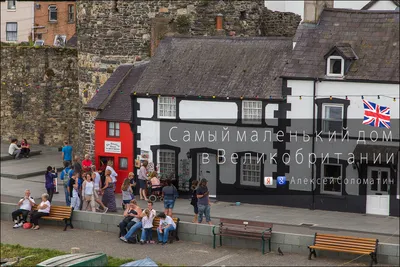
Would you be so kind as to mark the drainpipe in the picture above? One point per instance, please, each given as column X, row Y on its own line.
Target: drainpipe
column 33, row 22
column 313, row 146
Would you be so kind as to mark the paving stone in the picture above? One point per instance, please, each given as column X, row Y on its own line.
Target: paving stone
column 292, row 239
column 388, row 249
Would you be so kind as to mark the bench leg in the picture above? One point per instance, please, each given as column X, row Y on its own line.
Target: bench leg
column 263, row 246
column 269, row 244
column 312, row 252
column 214, row 242
column 220, row 240
column 68, row 222
column 373, row 259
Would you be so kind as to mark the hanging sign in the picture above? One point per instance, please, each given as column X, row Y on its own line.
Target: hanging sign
column 112, row 147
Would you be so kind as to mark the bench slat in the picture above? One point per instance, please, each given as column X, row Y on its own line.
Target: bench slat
column 346, row 237
column 355, row 251
column 367, row 242
column 344, row 243
column 249, row 223
column 242, row 233
column 243, row 236
column 344, row 246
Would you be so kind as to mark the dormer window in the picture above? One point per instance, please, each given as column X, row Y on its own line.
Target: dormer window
column 335, row 66
column 339, row 60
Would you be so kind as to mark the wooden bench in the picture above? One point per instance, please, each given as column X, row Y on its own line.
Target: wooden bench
column 59, row 213
column 349, row 244
column 172, row 234
column 244, row 229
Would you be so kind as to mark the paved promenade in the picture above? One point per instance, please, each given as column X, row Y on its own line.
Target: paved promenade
column 176, row 254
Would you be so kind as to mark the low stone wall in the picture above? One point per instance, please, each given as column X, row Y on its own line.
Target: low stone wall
column 202, row 233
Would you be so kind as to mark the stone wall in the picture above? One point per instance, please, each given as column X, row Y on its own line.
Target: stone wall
column 40, row 98
column 112, row 32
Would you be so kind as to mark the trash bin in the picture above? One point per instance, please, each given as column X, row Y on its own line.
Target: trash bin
column 79, row 259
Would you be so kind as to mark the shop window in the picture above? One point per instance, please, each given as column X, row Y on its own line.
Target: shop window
column 331, row 180
column 166, row 161
column 252, row 111
column 251, row 171
column 113, row 129
column 123, row 163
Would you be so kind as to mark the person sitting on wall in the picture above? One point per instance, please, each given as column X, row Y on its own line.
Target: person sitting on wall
column 25, row 206
column 132, row 222
column 13, row 149
column 25, row 148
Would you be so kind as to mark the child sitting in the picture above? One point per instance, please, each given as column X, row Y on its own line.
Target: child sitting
column 126, row 192
column 147, row 224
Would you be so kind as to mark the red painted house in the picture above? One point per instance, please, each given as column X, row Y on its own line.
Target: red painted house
column 114, row 139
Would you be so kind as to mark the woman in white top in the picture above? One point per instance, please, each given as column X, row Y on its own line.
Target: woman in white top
column 88, row 193
column 147, row 224
column 42, row 210
column 97, row 185
column 113, row 173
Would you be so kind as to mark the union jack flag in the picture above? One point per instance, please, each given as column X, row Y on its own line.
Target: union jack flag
column 376, row 115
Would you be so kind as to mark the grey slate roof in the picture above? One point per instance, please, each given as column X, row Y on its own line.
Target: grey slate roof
column 373, row 2
column 73, row 41
column 373, row 35
column 119, row 107
column 104, row 92
column 215, row 66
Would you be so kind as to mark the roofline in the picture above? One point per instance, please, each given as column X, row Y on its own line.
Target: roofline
column 361, row 11
column 260, row 38
column 337, row 80
column 373, row 2
column 113, row 120
column 207, row 97
column 112, row 93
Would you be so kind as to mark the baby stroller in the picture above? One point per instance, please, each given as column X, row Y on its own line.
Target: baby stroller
column 155, row 192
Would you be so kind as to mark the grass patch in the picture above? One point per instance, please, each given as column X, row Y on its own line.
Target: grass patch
column 39, row 255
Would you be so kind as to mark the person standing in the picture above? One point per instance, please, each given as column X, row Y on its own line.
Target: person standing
column 77, row 164
column 203, row 202
column 25, row 206
column 87, row 164
column 113, row 174
column 73, row 188
column 170, row 193
column 97, row 186
column 126, row 192
column 109, row 195
column 65, row 176
column 49, row 177
column 132, row 180
column 143, row 180
column 13, row 149
column 25, row 148
column 88, row 193
column 193, row 201
column 43, row 210
column 66, row 152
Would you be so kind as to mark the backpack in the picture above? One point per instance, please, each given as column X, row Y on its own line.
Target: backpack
column 66, row 177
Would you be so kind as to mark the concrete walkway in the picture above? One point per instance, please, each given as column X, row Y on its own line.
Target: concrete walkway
column 386, row 229
column 176, row 254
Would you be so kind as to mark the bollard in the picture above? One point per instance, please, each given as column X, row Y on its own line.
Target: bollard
column 75, row 250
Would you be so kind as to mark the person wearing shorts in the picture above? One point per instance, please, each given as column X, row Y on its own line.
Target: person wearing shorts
column 143, row 180
column 170, row 193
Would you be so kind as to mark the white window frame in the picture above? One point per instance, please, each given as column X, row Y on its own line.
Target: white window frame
column 328, row 71
column 330, row 178
column 248, row 113
column 50, row 11
column 324, row 116
column 162, row 104
column 13, row 7
column 163, row 161
column 69, row 13
column 250, row 165
column 16, row 23
column 115, row 129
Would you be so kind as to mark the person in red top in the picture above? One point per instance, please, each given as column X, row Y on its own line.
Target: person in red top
column 87, row 164
column 25, row 148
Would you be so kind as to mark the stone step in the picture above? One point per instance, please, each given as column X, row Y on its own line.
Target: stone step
column 8, row 157
column 27, row 174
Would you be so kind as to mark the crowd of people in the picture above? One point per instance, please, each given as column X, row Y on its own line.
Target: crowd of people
column 92, row 189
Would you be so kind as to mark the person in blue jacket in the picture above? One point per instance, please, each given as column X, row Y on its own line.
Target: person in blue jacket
column 65, row 176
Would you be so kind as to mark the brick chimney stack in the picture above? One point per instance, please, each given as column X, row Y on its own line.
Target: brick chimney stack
column 218, row 19
column 314, row 8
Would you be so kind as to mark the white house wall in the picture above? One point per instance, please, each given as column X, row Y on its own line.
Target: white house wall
column 208, row 111
column 146, row 108
column 23, row 15
column 384, row 5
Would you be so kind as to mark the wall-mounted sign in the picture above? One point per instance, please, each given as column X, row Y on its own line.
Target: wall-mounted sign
column 112, row 147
